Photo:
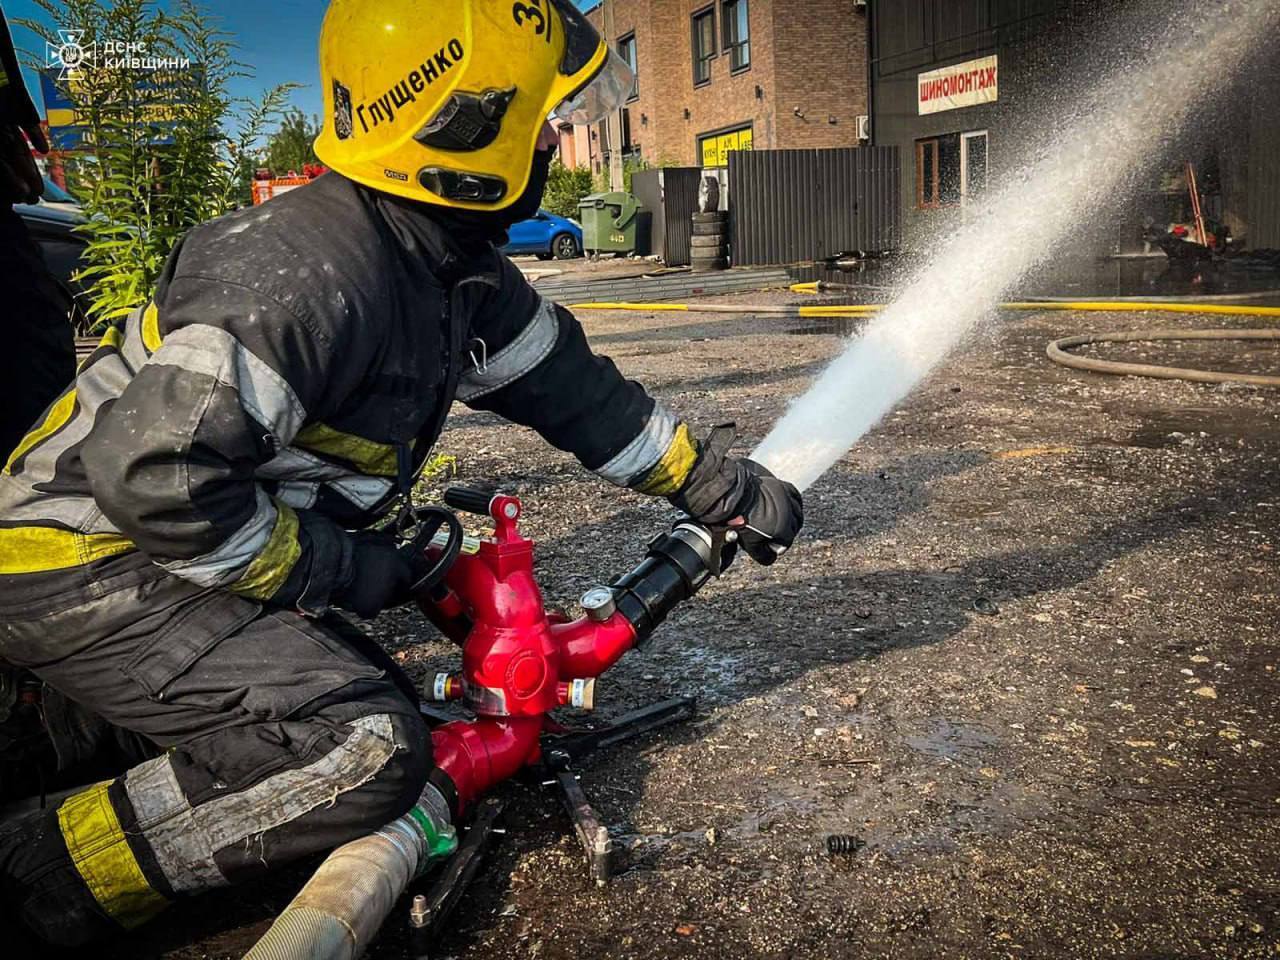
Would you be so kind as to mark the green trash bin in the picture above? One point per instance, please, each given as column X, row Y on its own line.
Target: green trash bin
column 609, row 222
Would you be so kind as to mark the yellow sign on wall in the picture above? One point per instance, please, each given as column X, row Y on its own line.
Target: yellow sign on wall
column 715, row 149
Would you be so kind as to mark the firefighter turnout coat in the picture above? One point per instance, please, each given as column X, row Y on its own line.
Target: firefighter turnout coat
column 287, row 380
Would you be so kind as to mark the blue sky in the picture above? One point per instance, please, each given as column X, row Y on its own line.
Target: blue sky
column 278, row 38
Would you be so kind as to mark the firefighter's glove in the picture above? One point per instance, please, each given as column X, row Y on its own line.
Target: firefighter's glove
column 740, row 495
column 378, row 577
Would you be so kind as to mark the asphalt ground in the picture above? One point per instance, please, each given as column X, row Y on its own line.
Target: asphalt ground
column 1025, row 656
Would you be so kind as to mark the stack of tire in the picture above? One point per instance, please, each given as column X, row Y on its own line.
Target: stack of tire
column 710, row 249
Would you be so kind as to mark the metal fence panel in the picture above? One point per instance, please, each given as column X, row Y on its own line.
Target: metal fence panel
column 671, row 194
column 790, row 206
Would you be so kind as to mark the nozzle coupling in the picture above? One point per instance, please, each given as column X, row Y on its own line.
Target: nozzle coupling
column 577, row 693
column 446, row 686
column 677, row 565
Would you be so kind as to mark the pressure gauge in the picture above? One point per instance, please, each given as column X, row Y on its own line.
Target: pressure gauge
column 599, row 604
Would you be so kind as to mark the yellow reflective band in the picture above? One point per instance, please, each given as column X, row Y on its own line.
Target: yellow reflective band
column 151, row 338
column 101, row 853
column 57, row 417
column 113, row 338
column 270, row 568
column 369, row 457
column 673, row 469
column 40, row 549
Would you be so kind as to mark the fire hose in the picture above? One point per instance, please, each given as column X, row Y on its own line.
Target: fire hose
column 866, row 309
column 1057, row 350
column 519, row 661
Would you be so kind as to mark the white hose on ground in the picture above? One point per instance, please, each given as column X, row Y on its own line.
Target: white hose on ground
column 343, row 905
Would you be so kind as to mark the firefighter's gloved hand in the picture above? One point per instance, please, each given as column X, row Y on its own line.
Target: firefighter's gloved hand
column 738, row 494
column 378, row 577
column 769, row 521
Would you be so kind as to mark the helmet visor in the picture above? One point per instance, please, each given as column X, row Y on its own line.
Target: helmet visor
column 604, row 95
column 581, row 39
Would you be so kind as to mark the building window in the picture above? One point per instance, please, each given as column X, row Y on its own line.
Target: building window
column 627, row 51
column 938, row 172
column 735, row 24
column 629, row 148
column 704, row 45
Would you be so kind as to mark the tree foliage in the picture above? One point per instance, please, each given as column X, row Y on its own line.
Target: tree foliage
column 292, row 145
column 159, row 155
column 565, row 187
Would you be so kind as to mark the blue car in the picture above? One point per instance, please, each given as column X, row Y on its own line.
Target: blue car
column 546, row 235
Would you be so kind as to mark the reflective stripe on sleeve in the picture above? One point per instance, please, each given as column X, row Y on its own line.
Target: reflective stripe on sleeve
column 54, row 420
column 302, row 474
column 151, row 338
column 368, row 456
column 101, row 854
column 533, row 345
column 674, row 467
column 643, row 453
column 263, row 393
column 271, row 568
column 133, row 350
column 229, row 561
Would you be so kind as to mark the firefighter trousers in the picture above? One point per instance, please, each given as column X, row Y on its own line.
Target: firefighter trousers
column 277, row 736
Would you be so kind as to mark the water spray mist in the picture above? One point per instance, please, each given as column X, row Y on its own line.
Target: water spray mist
column 1016, row 228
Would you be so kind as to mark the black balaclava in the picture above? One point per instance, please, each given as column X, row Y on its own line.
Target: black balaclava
column 476, row 229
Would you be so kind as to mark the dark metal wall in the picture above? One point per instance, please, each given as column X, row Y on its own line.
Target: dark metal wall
column 909, row 37
column 671, row 196
column 790, row 206
column 1262, row 210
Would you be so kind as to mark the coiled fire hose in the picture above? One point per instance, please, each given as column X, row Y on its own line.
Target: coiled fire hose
column 1057, row 352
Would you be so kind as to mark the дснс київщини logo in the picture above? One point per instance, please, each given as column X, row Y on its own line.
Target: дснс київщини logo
column 68, row 55
column 71, row 54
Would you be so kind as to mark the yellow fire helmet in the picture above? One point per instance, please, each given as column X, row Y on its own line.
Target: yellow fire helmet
column 444, row 102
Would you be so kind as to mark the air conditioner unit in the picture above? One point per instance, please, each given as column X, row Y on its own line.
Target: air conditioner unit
column 864, row 127
column 859, row 4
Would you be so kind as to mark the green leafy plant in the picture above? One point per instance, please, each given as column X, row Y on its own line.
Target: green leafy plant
column 566, row 186
column 291, row 145
column 157, row 156
column 631, row 165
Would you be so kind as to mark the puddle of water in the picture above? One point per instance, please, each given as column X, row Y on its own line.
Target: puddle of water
column 710, row 670
column 950, row 740
column 1145, row 277
column 828, row 327
column 1163, row 428
column 1095, row 277
column 784, row 805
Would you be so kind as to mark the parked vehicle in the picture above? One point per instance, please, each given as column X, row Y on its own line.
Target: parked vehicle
column 52, row 226
column 547, row 235
column 57, row 198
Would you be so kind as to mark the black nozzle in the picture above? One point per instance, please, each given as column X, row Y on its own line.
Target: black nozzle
column 469, row 499
column 677, row 565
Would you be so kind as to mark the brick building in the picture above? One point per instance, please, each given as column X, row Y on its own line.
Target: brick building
column 718, row 75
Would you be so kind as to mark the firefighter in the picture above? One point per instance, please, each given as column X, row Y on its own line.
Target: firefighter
column 179, row 531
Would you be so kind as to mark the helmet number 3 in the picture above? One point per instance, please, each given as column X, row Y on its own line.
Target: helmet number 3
column 532, row 14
